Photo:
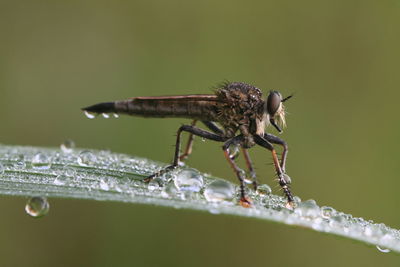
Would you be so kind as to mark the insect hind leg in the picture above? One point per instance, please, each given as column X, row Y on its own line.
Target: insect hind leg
column 193, row 130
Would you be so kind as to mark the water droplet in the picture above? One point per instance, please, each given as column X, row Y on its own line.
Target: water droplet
column 382, row 249
column 90, row 115
column 189, row 180
column 20, row 162
column 69, row 171
column 60, row 180
column 104, row 185
column 218, row 191
column 115, row 115
column 68, row 146
column 170, row 190
column 264, row 189
column 2, row 169
column 41, row 161
column 153, row 185
column 105, row 115
column 37, row 207
column 308, row 208
column 86, row 158
column 327, row 212
column 287, row 179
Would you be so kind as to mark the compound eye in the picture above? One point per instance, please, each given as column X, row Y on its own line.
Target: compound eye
column 273, row 102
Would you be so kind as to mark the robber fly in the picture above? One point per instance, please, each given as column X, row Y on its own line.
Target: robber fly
column 236, row 115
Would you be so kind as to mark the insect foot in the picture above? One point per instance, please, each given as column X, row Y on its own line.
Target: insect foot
column 159, row 173
column 245, row 202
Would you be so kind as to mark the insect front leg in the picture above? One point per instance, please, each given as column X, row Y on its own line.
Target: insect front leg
column 283, row 179
column 193, row 130
column 249, row 164
column 276, row 140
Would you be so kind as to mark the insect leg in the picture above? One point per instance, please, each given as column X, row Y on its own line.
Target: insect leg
column 189, row 145
column 210, row 125
column 244, row 201
column 283, row 179
column 193, row 130
column 250, row 167
column 276, row 140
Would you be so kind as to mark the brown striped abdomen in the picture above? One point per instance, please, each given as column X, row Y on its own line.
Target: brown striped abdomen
column 201, row 107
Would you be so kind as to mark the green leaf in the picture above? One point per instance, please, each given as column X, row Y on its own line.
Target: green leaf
column 106, row 176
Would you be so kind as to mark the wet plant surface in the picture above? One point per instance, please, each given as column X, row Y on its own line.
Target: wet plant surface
column 41, row 173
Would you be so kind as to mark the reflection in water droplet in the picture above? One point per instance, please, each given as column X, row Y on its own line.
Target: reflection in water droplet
column 264, row 189
column 2, row 169
column 90, row 115
column 37, row 207
column 41, row 161
column 86, row 158
column 218, row 191
column 382, row 249
column 115, row 115
column 68, row 146
column 105, row 115
column 189, row 180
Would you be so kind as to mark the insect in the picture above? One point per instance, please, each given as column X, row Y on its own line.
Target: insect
column 235, row 115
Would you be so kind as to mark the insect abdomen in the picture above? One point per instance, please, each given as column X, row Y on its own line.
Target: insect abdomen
column 149, row 107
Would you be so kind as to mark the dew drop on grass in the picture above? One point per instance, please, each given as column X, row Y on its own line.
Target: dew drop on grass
column 116, row 115
column 153, row 185
column 263, row 189
column 60, row 180
column 90, row 115
column 104, row 185
column 189, row 180
column 41, row 161
column 37, row 207
column 2, row 169
column 170, row 190
column 105, row 115
column 20, row 162
column 327, row 212
column 218, row 191
column 382, row 249
column 86, row 158
column 308, row 209
column 68, row 146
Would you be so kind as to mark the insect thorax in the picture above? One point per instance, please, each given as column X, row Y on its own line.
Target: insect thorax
column 241, row 108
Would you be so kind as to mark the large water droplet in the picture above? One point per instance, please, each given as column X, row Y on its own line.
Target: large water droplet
column 86, row 158
column 218, row 191
column 189, row 180
column 2, row 169
column 264, row 189
column 116, row 115
column 308, row 208
column 37, row 207
column 41, row 161
column 170, row 190
column 105, row 115
column 382, row 249
column 68, row 146
column 90, row 115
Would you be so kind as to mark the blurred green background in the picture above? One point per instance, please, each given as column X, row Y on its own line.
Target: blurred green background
column 340, row 58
